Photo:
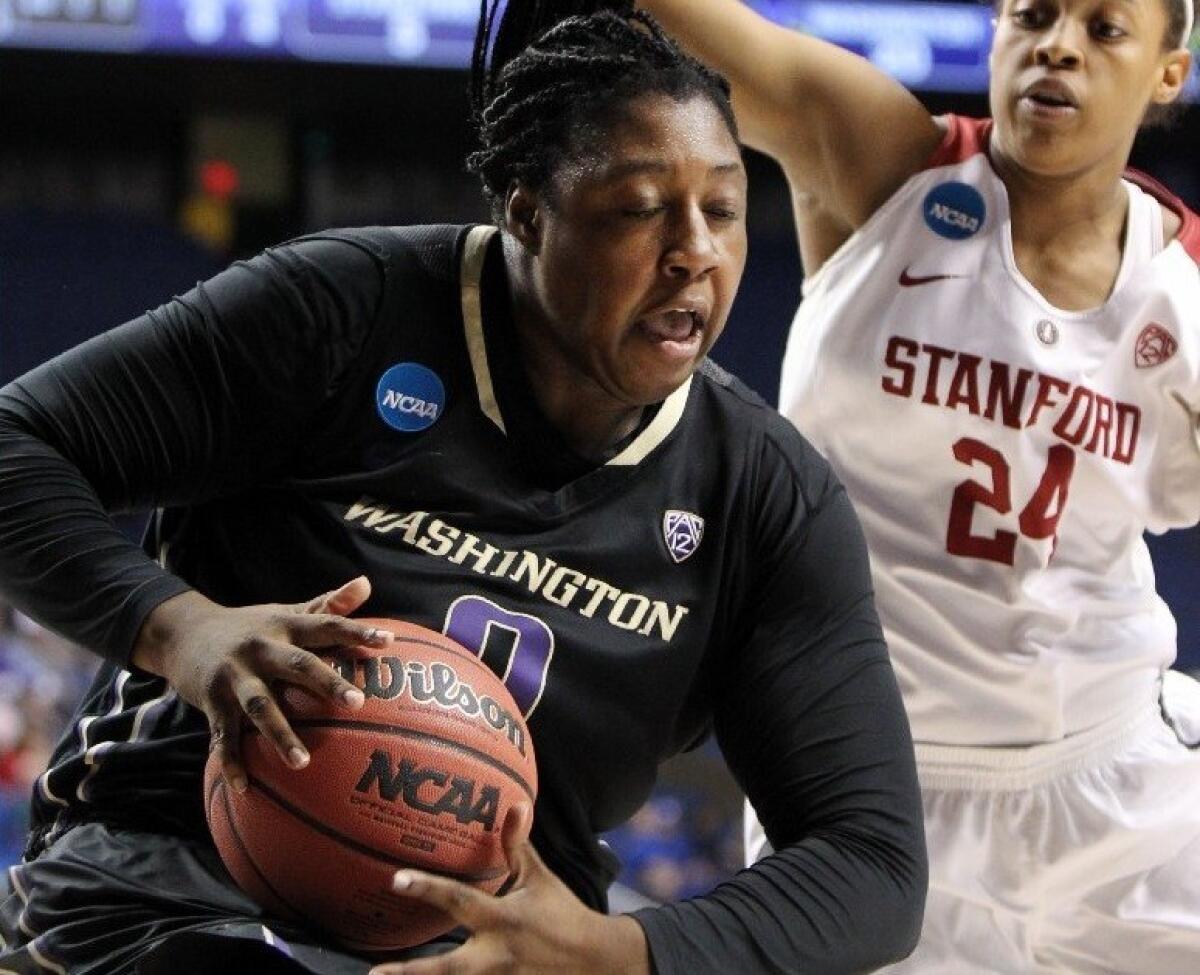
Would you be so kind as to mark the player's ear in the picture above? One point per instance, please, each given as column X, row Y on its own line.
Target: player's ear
column 523, row 216
column 1175, row 70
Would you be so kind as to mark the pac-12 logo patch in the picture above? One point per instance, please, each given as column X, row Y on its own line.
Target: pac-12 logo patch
column 410, row 397
column 955, row 211
column 682, row 532
column 1155, row 345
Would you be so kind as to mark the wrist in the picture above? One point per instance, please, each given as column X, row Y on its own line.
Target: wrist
column 161, row 628
column 623, row 947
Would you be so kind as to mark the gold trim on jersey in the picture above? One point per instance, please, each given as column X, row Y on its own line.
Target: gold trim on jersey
column 657, row 430
column 474, row 252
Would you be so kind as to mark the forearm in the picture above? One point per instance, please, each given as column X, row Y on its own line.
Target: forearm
column 836, row 779
column 62, row 559
column 846, row 888
column 765, row 63
column 844, row 132
column 829, row 905
column 626, row 948
column 828, row 757
column 162, row 627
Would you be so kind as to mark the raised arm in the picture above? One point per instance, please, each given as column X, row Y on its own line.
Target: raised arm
column 846, row 135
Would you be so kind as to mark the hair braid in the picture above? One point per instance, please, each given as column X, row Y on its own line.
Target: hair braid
column 548, row 71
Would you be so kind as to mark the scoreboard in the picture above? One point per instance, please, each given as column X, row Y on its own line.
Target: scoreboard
column 934, row 46
column 428, row 32
column 929, row 46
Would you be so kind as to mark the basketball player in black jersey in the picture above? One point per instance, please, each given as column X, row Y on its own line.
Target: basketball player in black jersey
column 515, row 436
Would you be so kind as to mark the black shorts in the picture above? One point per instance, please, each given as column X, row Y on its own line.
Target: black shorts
column 102, row 901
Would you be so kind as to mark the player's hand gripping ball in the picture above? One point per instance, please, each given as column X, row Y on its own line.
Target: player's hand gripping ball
column 423, row 775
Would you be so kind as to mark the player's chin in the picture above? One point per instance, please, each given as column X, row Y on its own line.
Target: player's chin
column 666, row 364
column 653, row 382
column 1051, row 132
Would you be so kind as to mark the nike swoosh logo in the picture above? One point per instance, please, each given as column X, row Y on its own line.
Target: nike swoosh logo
column 909, row 281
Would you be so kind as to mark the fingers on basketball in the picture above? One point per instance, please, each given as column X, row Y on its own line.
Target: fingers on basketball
column 345, row 599
column 469, row 907
column 224, row 741
column 320, row 630
column 298, row 666
column 518, row 850
column 351, row 853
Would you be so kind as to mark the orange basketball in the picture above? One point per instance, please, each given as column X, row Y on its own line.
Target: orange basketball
column 421, row 776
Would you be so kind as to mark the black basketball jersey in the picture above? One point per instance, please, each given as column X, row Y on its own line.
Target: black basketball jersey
column 354, row 403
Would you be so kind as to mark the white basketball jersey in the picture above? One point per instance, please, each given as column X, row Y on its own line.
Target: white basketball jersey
column 1005, row 456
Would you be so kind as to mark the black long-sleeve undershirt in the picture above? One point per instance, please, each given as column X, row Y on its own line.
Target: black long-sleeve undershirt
column 218, row 391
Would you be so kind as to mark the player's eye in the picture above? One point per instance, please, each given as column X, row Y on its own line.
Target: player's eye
column 1030, row 15
column 1106, row 30
column 722, row 212
column 642, row 212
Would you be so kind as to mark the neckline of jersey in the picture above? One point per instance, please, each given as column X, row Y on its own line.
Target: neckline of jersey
column 975, row 134
column 655, row 426
column 1124, row 272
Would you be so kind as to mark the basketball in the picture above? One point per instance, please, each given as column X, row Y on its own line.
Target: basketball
column 421, row 776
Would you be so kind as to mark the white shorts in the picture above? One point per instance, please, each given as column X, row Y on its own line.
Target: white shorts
column 1074, row 858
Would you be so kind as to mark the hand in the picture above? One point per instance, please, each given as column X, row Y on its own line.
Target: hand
column 219, row 659
column 538, row 927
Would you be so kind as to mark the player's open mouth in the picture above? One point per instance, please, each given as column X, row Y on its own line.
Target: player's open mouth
column 677, row 330
column 1049, row 99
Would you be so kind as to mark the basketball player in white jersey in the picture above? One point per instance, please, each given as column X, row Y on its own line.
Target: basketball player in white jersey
column 999, row 352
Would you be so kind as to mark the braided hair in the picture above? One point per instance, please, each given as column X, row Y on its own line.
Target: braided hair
column 560, row 72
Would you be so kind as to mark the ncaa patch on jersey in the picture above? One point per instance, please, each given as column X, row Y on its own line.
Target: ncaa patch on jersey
column 410, row 397
column 1155, row 345
column 955, row 211
column 682, row 532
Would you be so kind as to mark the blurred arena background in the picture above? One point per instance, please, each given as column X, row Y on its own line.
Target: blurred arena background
column 146, row 143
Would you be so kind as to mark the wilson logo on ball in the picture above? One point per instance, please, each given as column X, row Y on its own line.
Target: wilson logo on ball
column 387, row 678
column 1155, row 345
column 422, row 775
column 430, row 790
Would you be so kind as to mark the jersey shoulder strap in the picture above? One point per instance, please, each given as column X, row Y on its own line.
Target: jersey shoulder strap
column 1189, row 231
column 964, row 138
